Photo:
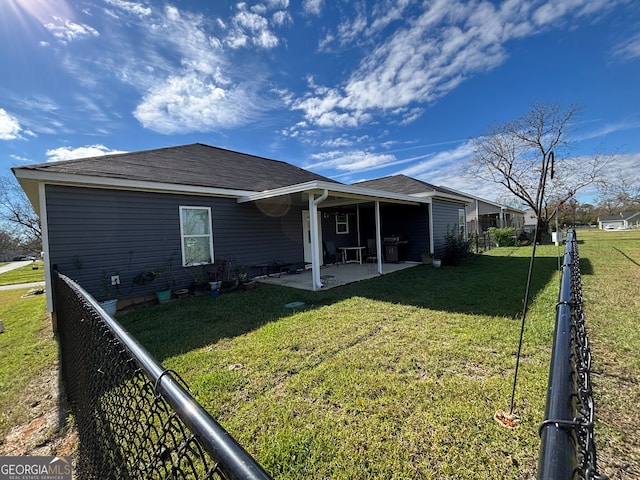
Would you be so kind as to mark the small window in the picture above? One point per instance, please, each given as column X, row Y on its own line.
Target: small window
column 197, row 240
column 462, row 223
column 342, row 223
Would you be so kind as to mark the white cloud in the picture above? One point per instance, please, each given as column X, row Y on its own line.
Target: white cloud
column 608, row 129
column 67, row 30
column 183, row 73
column 281, row 18
column 440, row 162
column 251, row 28
column 429, row 54
column 628, row 49
column 312, row 7
column 135, row 8
column 69, row 153
column 9, row 126
column 188, row 103
column 352, row 161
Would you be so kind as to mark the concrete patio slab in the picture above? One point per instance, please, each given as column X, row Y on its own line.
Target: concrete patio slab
column 334, row 275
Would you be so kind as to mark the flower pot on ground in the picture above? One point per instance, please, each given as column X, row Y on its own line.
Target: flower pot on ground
column 163, row 295
column 215, row 285
column 181, row 293
column 110, row 306
column 437, row 263
column 248, row 284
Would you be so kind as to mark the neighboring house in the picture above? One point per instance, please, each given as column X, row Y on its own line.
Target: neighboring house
column 483, row 214
column 530, row 221
column 622, row 221
column 448, row 208
column 183, row 207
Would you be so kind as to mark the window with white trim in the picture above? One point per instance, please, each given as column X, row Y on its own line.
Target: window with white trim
column 342, row 223
column 196, row 236
column 462, row 223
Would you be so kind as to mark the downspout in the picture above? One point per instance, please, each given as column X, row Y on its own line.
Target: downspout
column 44, row 231
column 315, row 248
column 431, row 246
column 378, row 239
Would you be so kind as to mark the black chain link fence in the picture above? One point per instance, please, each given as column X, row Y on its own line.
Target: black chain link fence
column 567, row 450
column 134, row 419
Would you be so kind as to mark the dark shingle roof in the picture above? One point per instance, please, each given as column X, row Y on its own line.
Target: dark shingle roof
column 195, row 164
column 399, row 184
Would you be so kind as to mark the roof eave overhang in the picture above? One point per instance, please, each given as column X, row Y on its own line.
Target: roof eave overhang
column 354, row 194
column 29, row 179
column 444, row 196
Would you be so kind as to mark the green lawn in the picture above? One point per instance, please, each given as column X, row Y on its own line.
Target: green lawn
column 397, row 377
column 26, row 274
column 611, row 284
column 27, row 348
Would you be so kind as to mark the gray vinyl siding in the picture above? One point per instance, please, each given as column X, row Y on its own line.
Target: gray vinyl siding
column 97, row 232
column 445, row 219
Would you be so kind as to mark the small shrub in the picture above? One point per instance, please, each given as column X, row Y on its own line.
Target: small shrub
column 504, row 237
column 456, row 248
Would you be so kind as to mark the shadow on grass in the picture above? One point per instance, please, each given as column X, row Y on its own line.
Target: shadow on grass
column 484, row 285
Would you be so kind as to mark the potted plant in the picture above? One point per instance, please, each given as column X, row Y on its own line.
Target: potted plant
column 165, row 277
column 215, row 278
column 244, row 280
column 437, row 263
column 200, row 281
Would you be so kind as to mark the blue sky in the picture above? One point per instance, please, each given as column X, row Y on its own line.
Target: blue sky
column 352, row 90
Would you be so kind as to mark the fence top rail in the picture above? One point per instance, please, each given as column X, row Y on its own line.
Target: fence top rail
column 222, row 447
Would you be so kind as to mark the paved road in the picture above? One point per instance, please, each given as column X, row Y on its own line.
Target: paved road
column 12, row 266
column 18, row 286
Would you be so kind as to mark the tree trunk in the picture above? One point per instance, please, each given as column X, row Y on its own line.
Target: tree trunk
column 544, row 236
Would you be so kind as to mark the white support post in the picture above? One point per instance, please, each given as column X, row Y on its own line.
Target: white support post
column 316, row 250
column 378, row 238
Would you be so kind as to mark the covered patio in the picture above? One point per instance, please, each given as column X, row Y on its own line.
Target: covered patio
column 320, row 199
column 334, row 275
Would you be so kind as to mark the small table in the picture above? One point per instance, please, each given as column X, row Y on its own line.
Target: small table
column 358, row 251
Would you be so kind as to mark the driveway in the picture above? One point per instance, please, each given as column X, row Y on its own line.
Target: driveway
column 13, row 265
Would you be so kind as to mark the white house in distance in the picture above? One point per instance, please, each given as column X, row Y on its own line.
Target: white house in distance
column 623, row 221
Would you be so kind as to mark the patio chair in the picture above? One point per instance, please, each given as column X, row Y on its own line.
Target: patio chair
column 370, row 255
column 330, row 251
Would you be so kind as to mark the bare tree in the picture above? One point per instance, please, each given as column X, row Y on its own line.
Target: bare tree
column 529, row 158
column 17, row 212
column 7, row 241
column 621, row 192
